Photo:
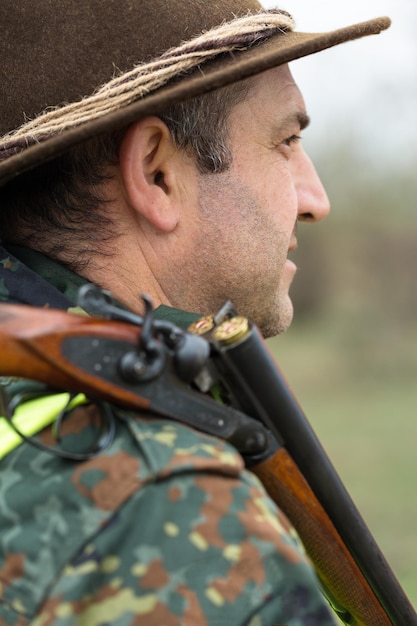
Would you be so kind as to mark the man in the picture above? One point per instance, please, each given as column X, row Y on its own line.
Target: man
column 173, row 169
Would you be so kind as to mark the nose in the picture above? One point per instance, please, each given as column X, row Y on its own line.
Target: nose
column 313, row 203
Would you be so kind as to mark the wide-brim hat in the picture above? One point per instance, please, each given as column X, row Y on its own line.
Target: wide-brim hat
column 71, row 69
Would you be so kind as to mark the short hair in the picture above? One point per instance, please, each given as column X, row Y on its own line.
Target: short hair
column 60, row 208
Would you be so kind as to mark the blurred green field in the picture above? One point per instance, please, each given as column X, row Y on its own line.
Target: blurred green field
column 362, row 404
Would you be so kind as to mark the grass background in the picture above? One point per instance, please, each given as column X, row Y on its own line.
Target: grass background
column 362, row 406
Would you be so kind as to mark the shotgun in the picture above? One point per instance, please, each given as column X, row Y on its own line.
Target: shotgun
column 219, row 377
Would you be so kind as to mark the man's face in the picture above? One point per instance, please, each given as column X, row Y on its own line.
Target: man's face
column 245, row 224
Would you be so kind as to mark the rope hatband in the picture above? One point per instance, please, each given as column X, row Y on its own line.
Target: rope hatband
column 238, row 34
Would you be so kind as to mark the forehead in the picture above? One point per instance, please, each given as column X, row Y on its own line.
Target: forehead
column 273, row 96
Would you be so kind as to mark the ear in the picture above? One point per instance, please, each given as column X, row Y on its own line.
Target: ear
column 147, row 167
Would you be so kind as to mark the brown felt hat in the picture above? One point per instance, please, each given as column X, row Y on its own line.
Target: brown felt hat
column 90, row 61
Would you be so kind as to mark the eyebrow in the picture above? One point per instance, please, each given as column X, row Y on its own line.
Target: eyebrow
column 303, row 119
column 299, row 117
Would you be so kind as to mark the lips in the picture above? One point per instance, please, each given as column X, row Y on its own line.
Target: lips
column 289, row 263
column 292, row 246
column 293, row 242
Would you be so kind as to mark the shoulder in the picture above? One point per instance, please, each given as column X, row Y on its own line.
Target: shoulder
column 166, row 526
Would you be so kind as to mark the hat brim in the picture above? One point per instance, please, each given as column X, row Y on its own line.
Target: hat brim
column 278, row 50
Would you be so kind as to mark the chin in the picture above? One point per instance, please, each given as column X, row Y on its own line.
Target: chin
column 278, row 321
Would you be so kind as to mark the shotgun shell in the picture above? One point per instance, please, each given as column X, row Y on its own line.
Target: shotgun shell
column 231, row 330
column 202, row 326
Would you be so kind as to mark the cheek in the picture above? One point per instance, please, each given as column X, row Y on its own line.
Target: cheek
column 282, row 199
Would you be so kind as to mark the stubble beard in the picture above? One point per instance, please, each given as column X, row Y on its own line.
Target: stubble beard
column 238, row 254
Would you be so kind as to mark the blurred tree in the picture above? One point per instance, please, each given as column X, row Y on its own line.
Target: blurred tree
column 363, row 258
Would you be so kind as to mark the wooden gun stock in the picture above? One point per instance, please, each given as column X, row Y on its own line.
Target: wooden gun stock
column 31, row 346
column 31, row 343
column 339, row 573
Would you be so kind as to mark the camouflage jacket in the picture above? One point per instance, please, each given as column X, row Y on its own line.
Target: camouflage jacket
column 164, row 528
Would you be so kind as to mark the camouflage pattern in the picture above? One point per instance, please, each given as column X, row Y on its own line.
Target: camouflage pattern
column 164, row 528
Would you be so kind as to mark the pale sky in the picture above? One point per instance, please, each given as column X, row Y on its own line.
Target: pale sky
column 369, row 85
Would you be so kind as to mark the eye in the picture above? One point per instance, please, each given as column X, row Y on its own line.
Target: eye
column 290, row 141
